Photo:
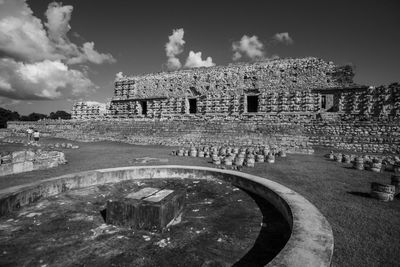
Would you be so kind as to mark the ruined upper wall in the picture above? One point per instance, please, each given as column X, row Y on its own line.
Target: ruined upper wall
column 87, row 110
column 274, row 75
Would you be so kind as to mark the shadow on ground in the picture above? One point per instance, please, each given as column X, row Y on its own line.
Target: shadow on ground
column 359, row 194
column 272, row 237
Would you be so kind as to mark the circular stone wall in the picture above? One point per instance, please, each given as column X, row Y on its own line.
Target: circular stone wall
column 311, row 240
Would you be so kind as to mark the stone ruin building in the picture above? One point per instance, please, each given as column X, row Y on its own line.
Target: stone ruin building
column 292, row 103
column 88, row 110
column 237, row 91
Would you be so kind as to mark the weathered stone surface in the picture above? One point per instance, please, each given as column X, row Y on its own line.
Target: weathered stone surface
column 274, row 75
column 18, row 156
column 88, row 110
column 25, row 161
column 147, row 209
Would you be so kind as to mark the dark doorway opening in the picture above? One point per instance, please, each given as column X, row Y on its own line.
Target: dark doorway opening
column 252, row 103
column 192, row 105
column 144, row 107
column 323, row 102
column 327, row 103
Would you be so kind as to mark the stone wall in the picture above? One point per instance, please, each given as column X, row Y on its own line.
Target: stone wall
column 383, row 101
column 279, row 86
column 274, row 75
column 296, row 132
column 28, row 160
column 355, row 135
column 176, row 133
column 88, row 110
column 227, row 106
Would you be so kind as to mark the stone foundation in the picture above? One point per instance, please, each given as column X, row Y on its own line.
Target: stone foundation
column 177, row 133
column 295, row 133
column 27, row 160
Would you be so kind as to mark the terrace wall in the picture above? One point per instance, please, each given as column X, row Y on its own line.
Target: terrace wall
column 178, row 133
column 295, row 132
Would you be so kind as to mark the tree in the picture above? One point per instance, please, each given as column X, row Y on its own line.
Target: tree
column 7, row 115
column 34, row 117
column 60, row 114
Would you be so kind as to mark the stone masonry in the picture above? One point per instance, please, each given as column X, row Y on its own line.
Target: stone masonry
column 291, row 103
column 29, row 160
column 276, row 86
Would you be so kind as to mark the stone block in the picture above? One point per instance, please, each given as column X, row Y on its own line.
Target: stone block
column 25, row 166
column 18, row 156
column 6, row 159
column 29, row 155
column 6, row 169
column 147, row 209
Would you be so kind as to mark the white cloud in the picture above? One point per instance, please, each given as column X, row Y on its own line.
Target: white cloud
column 248, row 46
column 175, row 45
column 34, row 55
column 119, row 75
column 173, row 63
column 89, row 54
column 23, row 36
column 194, row 61
column 173, row 48
column 283, row 37
column 58, row 18
column 42, row 80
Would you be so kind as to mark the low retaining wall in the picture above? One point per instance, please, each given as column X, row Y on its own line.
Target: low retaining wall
column 356, row 135
column 311, row 241
column 288, row 136
column 28, row 160
column 294, row 133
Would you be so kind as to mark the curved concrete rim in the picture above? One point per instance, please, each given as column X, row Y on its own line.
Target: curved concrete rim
column 311, row 241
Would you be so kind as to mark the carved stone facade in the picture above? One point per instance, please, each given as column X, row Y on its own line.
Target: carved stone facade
column 236, row 91
column 88, row 110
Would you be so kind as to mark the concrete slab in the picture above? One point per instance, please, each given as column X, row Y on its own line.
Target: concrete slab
column 142, row 193
column 158, row 196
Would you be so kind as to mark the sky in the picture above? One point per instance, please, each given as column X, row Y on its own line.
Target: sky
column 53, row 54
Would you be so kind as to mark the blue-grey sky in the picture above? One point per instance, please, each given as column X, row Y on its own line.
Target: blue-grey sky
column 52, row 54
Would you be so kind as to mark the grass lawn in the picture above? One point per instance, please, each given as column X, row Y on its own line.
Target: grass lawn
column 366, row 231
